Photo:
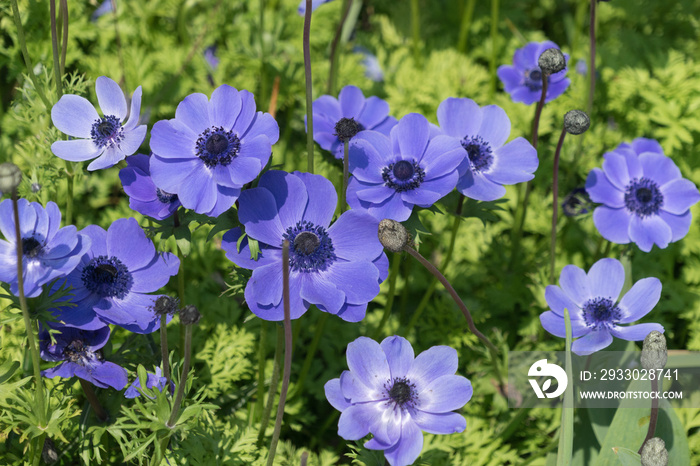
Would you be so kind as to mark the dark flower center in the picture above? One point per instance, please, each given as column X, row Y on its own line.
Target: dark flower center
column 601, row 312
column 347, row 128
column 78, row 352
column 403, row 175
column 479, row 152
column 643, row 197
column 576, row 203
column 533, row 79
column 107, row 277
column 216, row 146
column 31, row 247
column 311, row 249
column 165, row 197
column 401, row 392
column 107, row 131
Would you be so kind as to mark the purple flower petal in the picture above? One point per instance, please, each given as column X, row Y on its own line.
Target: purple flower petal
column 495, row 125
column 393, row 208
column 513, row 163
column 335, row 396
column 328, row 106
column 659, row 167
column 155, row 274
column 110, row 97
column 679, row 196
column 134, row 312
column 352, row 312
column 262, row 124
column 555, row 324
column 322, row 199
column 199, row 193
column 613, row 224
column 318, row 290
column 193, row 112
column 641, row 145
column 133, row 140
column 134, row 112
column 171, row 139
column 412, row 134
column 366, row 156
column 475, row 185
column 640, row 299
column 74, row 115
column 615, row 168
column 258, row 212
column 574, row 281
column 408, row 448
column 679, row 224
column 420, row 197
column 374, row 112
column 109, row 158
column 357, row 392
column 355, row 420
column 445, row 393
column 558, row 300
column 351, row 101
column 110, row 375
column 511, row 78
column 290, row 195
column 592, row 342
column 432, row 364
column 276, row 312
column 375, row 195
column 266, row 284
column 635, row 332
column 442, row 423
column 229, row 244
column 442, row 156
column 459, row 117
column 76, row 150
column 399, row 354
column 600, row 189
column 368, row 363
column 127, row 241
column 645, row 232
column 606, row 278
column 357, row 280
column 224, row 106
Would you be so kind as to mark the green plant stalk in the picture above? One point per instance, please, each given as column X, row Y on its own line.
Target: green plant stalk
column 448, row 258
column 272, row 390
column 63, row 13
column 287, row 352
column 40, row 402
column 333, row 74
column 566, row 439
column 92, row 399
column 25, row 55
column 311, row 352
column 538, row 111
column 462, row 41
column 555, row 209
column 415, row 27
column 54, row 45
column 591, row 65
column 653, row 417
column 39, row 450
column 164, row 348
column 183, row 378
column 263, row 58
column 494, row 36
column 69, row 197
column 393, row 275
column 259, row 392
column 309, row 91
column 346, row 170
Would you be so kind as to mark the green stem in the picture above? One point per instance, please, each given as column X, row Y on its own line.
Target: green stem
column 260, row 401
column 272, row 390
column 555, row 209
column 92, row 399
column 63, row 13
column 25, row 55
column 415, row 27
column 287, row 353
column 69, row 196
column 164, row 348
column 494, row 37
column 332, row 75
column 538, row 110
column 183, row 378
column 263, row 67
column 309, row 91
column 654, row 416
column 54, row 45
column 393, row 274
column 566, row 439
column 346, row 169
column 41, row 403
column 591, row 65
column 311, row 353
column 465, row 26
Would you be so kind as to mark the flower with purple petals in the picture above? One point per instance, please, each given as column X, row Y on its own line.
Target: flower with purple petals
column 331, row 115
column 373, row 69
column 645, row 199
column 416, row 165
column 211, row 149
column 144, row 196
column 107, row 139
column 153, row 381
column 596, row 313
column 80, row 354
column 314, row 4
column 394, row 396
column 111, row 283
column 49, row 252
column 489, row 164
column 336, row 267
column 104, row 8
column 210, row 56
column 523, row 79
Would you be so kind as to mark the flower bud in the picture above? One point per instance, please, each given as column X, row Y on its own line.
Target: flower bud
column 36, row 187
column 346, row 129
column 10, row 177
column 654, row 352
column 392, row 235
column 654, row 453
column 551, row 61
column 189, row 315
column 576, row 203
column 165, row 305
column 49, row 453
column 576, row 122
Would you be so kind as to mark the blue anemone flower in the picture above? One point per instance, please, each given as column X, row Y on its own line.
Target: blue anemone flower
column 80, row 352
column 645, row 199
column 156, row 381
column 394, row 396
column 49, row 252
column 106, row 139
column 416, row 165
column 111, row 283
column 211, row 149
column 144, row 196
column 371, row 113
column 523, row 79
column 336, row 267
column 592, row 301
column 489, row 163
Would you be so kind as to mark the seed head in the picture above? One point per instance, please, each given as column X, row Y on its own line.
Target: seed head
column 189, row 315
column 10, row 177
column 654, row 453
column 576, row 122
column 346, row 129
column 654, row 352
column 165, row 305
column 552, row 61
column 392, row 235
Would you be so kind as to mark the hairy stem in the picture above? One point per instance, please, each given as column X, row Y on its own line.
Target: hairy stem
column 309, row 91
column 555, row 208
column 287, row 352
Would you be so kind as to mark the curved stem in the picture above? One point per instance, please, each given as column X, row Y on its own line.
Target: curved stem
column 393, row 274
column 41, row 404
column 287, row 351
column 555, row 208
column 309, row 90
column 538, row 110
column 272, row 390
column 332, row 75
column 25, row 55
column 54, row 45
column 591, row 65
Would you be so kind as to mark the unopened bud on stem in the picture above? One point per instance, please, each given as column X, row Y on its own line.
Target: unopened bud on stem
column 654, row 351
column 551, row 61
column 576, row 122
column 392, row 235
column 10, row 177
column 654, row 453
column 189, row 315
